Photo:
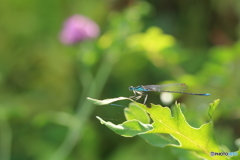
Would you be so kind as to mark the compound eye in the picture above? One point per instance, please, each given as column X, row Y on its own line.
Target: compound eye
column 130, row 88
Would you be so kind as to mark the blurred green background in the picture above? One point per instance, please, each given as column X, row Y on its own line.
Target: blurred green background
column 44, row 113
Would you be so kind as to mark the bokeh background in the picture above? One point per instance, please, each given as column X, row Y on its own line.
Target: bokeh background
column 44, row 114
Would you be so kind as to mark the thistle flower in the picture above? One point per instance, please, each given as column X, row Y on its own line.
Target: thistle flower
column 78, row 28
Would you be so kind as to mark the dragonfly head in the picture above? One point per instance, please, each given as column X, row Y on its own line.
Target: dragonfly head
column 130, row 88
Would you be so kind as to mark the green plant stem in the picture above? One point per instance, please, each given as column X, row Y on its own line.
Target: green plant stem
column 5, row 140
column 85, row 108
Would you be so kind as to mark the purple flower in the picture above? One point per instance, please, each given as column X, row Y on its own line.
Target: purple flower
column 78, row 28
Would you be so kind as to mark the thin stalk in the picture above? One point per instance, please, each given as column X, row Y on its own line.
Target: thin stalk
column 84, row 111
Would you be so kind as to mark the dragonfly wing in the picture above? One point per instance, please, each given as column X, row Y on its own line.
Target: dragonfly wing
column 167, row 87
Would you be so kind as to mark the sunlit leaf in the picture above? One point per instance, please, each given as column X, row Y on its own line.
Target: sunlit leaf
column 136, row 112
column 169, row 128
column 107, row 101
column 129, row 128
column 159, row 140
column 201, row 139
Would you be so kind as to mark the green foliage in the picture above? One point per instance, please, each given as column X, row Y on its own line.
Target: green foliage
column 212, row 107
column 129, row 128
column 134, row 112
column 236, row 157
column 44, row 84
column 201, row 140
column 152, row 41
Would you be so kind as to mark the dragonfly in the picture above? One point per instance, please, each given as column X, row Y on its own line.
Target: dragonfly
column 142, row 90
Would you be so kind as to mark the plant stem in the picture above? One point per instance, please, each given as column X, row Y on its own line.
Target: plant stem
column 83, row 112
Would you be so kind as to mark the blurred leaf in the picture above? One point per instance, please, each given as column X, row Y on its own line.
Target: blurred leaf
column 222, row 54
column 128, row 128
column 105, row 40
column 184, row 154
column 154, row 40
column 236, row 157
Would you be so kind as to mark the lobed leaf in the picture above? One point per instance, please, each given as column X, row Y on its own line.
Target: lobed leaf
column 201, row 139
column 168, row 129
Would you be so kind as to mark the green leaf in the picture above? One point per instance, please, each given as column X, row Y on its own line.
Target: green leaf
column 136, row 112
column 128, row 128
column 183, row 154
column 159, row 140
column 212, row 107
column 201, row 139
column 168, row 129
column 107, row 101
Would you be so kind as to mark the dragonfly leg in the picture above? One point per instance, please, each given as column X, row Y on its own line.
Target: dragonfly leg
column 134, row 92
column 145, row 99
column 135, row 97
column 138, row 97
